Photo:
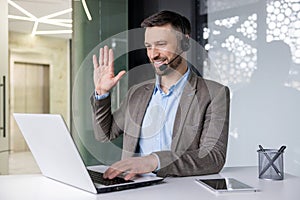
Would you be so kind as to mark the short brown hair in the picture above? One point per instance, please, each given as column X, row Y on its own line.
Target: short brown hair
column 179, row 22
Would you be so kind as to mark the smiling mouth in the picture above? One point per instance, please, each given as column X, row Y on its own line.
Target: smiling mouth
column 158, row 63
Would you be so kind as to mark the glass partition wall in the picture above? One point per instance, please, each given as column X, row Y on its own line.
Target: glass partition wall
column 108, row 20
column 255, row 47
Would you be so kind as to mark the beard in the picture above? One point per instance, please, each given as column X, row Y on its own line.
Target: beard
column 170, row 68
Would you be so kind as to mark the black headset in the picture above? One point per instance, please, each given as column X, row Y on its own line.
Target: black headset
column 185, row 42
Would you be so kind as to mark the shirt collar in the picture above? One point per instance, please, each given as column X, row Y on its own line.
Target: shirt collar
column 177, row 86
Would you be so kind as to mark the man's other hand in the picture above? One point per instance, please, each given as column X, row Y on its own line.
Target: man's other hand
column 132, row 166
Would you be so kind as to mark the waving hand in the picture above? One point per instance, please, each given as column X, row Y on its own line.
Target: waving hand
column 104, row 77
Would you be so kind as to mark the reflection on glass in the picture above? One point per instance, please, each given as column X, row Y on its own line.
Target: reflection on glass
column 258, row 57
column 283, row 19
column 227, row 22
column 248, row 28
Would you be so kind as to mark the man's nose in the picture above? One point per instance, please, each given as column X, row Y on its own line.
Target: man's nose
column 154, row 52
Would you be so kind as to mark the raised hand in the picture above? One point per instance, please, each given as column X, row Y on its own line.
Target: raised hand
column 104, row 77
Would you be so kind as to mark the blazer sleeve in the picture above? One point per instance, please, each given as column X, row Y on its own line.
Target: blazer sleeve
column 208, row 156
column 107, row 126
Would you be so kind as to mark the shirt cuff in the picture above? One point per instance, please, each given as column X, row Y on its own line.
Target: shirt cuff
column 158, row 162
column 99, row 97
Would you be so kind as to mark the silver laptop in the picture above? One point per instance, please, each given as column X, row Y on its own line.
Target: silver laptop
column 58, row 158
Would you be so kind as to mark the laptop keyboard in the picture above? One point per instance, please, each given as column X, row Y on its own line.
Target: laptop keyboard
column 97, row 177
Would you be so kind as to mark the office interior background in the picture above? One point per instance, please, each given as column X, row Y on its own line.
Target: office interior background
column 251, row 46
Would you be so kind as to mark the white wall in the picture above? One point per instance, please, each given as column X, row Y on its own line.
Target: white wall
column 255, row 50
column 50, row 51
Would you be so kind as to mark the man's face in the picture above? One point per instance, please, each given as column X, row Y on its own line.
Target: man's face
column 162, row 46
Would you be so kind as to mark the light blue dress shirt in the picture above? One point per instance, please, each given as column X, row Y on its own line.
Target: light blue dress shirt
column 157, row 126
column 99, row 97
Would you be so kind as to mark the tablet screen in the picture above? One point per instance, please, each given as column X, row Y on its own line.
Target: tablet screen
column 225, row 185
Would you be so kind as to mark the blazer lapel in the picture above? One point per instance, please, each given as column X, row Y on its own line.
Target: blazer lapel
column 137, row 114
column 143, row 104
column 186, row 99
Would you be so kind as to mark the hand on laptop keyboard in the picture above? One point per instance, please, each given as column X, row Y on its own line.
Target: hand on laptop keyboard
column 97, row 177
column 132, row 166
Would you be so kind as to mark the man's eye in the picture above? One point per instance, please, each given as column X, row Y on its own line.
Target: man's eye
column 161, row 44
column 148, row 46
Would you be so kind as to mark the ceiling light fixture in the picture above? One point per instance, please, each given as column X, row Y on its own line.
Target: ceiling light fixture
column 53, row 32
column 35, row 26
column 22, row 10
column 21, row 18
column 57, row 14
column 86, row 9
column 54, row 22
column 45, row 20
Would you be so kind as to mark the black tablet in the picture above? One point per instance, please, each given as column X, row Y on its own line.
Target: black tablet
column 226, row 185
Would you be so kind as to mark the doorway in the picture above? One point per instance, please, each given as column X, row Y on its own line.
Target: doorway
column 29, row 94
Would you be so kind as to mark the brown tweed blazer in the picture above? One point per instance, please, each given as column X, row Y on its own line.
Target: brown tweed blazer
column 200, row 132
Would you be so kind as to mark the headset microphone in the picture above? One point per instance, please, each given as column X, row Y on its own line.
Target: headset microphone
column 164, row 66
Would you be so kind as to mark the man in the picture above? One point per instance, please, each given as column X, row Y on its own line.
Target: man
column 176, row 125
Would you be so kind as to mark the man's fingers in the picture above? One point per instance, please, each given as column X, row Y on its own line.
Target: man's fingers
column 112, row 174
column 105, row 56
column 106, row 173
column 111, row 60
column 101, row 57
column 131, row 166
column 119, row 75
column 95, row 62
column 129, row 176
column 116, row 169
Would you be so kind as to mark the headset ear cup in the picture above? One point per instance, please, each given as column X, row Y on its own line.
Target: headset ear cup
column 185, row 44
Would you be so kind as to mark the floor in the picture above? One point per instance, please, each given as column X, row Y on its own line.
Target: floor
column 22, row 163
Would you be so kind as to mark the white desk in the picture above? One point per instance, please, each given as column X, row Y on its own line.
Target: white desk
column 29, row 187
